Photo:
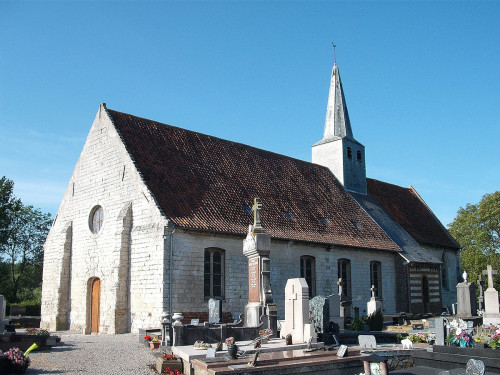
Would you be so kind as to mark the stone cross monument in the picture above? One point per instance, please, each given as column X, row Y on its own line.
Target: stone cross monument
column 374, row 303
column 491, row 306
column 480, row 282
column 345, row 304
column 466, row 298
column 257, row 247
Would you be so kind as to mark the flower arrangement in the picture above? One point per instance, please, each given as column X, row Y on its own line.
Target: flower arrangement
column 37, row 332
column 460, row 337
column 169, row 357
column 172, row 372
column 265, row 332
column 154, row 339
column 419, row 337
column 19, row 362
column 494, row 342
column 148, row 338
column 230, row 341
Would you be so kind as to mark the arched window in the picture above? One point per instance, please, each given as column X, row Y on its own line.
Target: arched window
column 308, row 272
column 213, row 283
column 344, row 273
column 376, row 277
column 96, row 219
column 444, row 271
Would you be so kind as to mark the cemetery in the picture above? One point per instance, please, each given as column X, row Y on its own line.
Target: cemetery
column 314, row 337
column 318, row 335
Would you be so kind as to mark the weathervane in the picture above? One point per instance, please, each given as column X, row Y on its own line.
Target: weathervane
column 334, row 53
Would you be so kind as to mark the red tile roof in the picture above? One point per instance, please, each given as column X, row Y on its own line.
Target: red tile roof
column 202, row 182
column 410, row 211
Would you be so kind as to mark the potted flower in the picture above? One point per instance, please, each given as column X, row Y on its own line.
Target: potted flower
column 232, row 349
column 494, row 342
column 265, row 335
column 154, row 343
column 169, row 371
column 170, row 362
column 18, row 361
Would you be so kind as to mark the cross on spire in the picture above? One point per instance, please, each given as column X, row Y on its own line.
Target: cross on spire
column 334, row 53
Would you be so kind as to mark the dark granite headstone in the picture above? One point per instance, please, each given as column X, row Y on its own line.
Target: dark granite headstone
column 320, row 313
column 214, row 310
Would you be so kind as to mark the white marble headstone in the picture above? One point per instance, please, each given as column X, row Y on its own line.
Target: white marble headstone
column 296, row 309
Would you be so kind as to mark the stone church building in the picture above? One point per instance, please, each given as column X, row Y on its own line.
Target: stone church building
column 154, row 218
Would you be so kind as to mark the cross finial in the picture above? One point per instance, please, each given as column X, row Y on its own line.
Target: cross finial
column 334, row 53
column 257, row 226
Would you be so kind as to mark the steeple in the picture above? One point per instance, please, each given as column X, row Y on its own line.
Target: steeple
column 337, row 124
column 338, row 150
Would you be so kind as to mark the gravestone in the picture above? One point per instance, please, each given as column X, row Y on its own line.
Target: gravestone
column 480, row 283
column 367, row 342
column 342, row 351
column 345, row 303
column 2, row 314
column 214, row 310
column 374, row 303
column 441, row 330
column 466, row 300
column 296, row 310
column 491, row 307
column 257, row 247
column 320, row 313
column 334, row 308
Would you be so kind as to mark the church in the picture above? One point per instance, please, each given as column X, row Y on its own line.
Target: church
column 154, row 217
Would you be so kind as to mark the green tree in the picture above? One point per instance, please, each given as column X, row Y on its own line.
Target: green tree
column 23, row 231
column 7, row 203
column 477, row 229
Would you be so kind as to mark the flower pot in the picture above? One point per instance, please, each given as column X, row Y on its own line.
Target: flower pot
column 154, row 345
column 264, row 339
column 162, row 364
column 232, row 351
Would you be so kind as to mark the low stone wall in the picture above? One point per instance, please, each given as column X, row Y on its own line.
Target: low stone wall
column 397, row 359
column 23, row 341
column 188, row 335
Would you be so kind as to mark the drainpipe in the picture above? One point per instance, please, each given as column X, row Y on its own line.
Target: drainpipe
column 169, row 232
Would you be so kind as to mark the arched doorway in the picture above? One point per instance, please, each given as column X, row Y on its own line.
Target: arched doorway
column 95, row 305
column 425, row 294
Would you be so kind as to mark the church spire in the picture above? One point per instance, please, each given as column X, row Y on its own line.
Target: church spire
column 338, row 150
column 337, row 124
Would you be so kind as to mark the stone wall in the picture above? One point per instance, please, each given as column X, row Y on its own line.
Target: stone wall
column 285, row 256
column 126, row 254
column 453, row 274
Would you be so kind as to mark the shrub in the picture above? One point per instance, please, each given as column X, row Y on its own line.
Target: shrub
column 375, row 321
column 358, row 324
column 33, row 307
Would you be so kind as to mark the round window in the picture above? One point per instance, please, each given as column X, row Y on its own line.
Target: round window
column 96, row 218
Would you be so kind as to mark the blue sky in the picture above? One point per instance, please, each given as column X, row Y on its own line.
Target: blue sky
column 421, row 82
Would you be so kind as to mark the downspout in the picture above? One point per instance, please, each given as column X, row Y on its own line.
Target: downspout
column 169, row 231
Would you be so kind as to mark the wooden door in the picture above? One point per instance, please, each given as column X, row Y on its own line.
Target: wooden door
column 95, row 306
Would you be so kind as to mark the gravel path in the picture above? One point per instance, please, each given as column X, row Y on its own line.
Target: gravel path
column 94, row 354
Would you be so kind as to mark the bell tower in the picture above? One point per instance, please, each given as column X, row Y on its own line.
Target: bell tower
column 338, row 150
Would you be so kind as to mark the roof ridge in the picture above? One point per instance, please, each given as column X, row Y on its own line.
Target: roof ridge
column 220, row 139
